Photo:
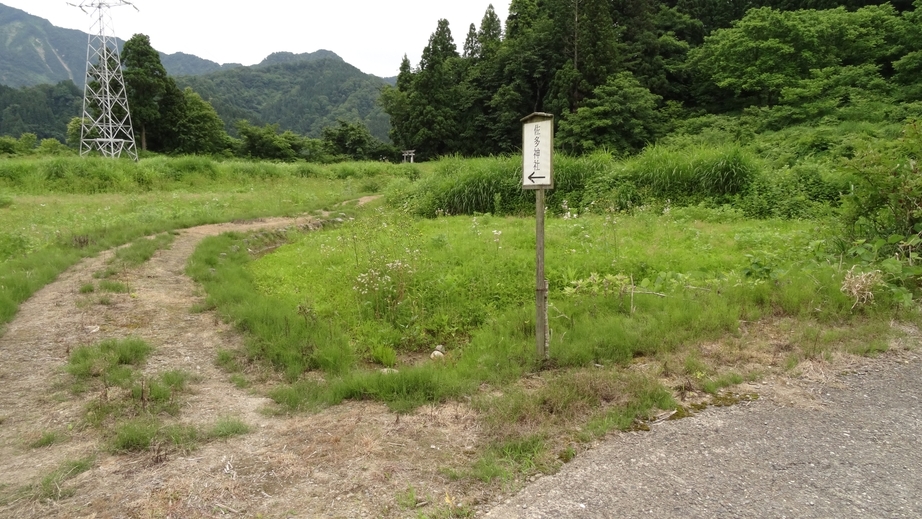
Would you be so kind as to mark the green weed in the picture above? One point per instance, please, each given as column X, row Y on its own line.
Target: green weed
column 176, row 380
column 407, row 498
column 104, row 360
column 115, row 287
column 384, row 355
column 239, row 381
column 51, row 487
column 106, row 273
column 185, row 438
column 142, row 434
column 511, row 458
column 227, row 427
column 134, row 435
column 227, row 360
column 141, row 250
column 47, row 439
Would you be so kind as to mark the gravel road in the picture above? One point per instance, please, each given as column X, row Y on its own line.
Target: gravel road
column 856, row 452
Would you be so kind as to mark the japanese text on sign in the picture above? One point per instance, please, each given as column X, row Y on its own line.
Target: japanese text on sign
column 538, row 141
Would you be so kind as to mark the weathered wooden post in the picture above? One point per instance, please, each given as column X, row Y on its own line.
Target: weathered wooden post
column 538, row 175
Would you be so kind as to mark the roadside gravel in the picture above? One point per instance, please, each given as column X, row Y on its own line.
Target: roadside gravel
column 856, row 451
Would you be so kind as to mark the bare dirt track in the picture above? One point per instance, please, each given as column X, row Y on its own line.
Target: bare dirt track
column 349, row 461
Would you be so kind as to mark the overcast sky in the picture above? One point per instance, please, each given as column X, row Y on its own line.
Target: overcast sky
column 372, row 35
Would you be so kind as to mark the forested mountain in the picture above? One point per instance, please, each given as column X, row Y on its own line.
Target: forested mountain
column 34, row 52
column 618, row 74
column 303, row 93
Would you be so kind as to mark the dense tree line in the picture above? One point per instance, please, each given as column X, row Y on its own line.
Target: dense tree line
column 42, row 110
column 166, row 118
column 619, row 73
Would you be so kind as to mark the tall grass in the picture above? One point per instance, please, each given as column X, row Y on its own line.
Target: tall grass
column 494, row 185
column 695, row 173
column 491, row 185
column 794, row 172
column 642, row 286
column 92, row 175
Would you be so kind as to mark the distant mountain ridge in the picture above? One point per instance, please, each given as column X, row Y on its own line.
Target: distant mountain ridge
column 35, row 52
column 300, row 92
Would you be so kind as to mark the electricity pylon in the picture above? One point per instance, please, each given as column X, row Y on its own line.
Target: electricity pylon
column 106, row 125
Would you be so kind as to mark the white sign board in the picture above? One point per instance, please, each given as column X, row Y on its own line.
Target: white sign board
column 537, row 146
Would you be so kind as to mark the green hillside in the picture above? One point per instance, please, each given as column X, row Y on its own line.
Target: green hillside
column 32, row 51
column 303, row 93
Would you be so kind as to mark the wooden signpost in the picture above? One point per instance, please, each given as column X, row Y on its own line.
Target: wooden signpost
column 538, row 175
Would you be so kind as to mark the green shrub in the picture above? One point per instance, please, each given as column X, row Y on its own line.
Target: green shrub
column 308, row 170
column 53, row 147
column 15, row 172
column 194, row 165
column 887, row 196
column 8, row 146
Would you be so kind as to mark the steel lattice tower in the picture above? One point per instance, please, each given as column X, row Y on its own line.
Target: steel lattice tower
column 106, row 124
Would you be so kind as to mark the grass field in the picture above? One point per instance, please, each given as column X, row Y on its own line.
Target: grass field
column 644, row 307
column 652, row 297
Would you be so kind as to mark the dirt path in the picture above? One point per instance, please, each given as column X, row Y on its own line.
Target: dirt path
column 350, row 461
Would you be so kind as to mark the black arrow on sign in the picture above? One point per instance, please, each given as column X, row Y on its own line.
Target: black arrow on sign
column 532, row 177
